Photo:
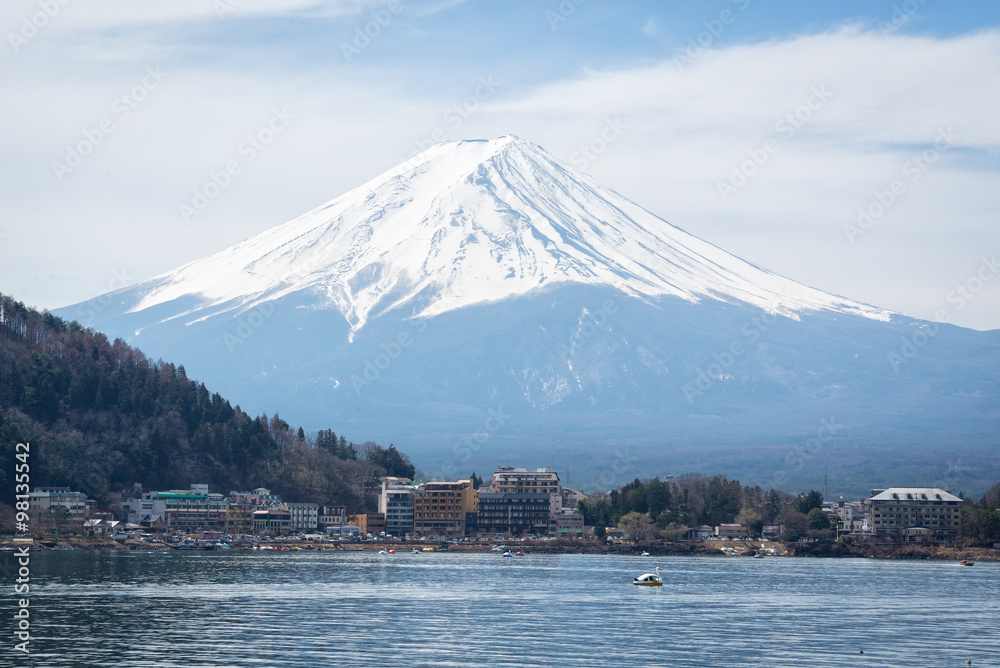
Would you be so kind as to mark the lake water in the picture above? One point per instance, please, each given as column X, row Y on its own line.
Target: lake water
column 358, row 609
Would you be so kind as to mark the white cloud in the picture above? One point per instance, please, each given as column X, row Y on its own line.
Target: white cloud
column 103, row 15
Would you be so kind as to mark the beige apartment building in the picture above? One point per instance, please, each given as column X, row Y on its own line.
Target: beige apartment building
column 894, row 512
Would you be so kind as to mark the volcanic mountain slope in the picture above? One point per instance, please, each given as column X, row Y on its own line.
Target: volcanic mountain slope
column 484, row 298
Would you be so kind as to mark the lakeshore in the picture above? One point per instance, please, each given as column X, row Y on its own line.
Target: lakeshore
column 709, row 548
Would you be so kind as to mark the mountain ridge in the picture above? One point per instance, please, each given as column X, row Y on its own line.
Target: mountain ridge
column 475, row 282
column 476, row 221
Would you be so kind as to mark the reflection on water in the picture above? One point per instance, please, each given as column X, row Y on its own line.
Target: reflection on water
column 321, row 609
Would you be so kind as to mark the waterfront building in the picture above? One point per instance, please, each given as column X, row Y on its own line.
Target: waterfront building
column 272, row 520
column 443, row 508
column 731, row 531
column 396, row 503
column 373, row 523
column 305, row 516
column 892, row 511
column 44, row 501
column 509, row 479
column 569, row 524
column 180, row 509
column 513, row 513
column 189, row 510
column 571, row 497
column 333, row 516
column 240, row 517
column 703, row 532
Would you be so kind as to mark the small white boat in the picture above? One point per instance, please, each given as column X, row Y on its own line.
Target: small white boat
column 415, row 551
column 645, row 554
column 383, row 552
column 649, row 579
column 508, row 554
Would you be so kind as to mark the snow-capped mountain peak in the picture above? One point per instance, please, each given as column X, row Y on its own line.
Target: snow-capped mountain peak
column 477, row 221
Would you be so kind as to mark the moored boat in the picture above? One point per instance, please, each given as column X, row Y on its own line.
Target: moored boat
column 196, row 545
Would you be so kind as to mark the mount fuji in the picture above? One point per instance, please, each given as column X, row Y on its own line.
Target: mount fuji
column 484, row 303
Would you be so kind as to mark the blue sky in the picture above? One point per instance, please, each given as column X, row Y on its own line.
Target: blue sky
column 854, row 97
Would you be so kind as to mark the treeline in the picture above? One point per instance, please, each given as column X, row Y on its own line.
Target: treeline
column 979, row 523
column 100, row 416
column 651, row 508
column 645, row 509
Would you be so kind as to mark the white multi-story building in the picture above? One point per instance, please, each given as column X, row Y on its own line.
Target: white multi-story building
column 396, row 503
column 333, row 516
column 143, row 510
column 570, row 497
column 305, row 516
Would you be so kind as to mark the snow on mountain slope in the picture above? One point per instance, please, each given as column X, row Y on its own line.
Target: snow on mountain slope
column 470, row 222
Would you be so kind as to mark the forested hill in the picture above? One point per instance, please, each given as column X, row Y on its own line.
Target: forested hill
column 101, row 416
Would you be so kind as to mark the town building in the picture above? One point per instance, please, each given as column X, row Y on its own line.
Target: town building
column 101, row 527
column 562, row 519
column 396, row 503
column 305, row 516
column 513, row 513
column 274, row 520
column 443, row 508
column 851, row 515
column 139, row 510
column 731, row 531
column 703, row 532
column 240, row 519
column 569, row 524
column 571, row 497
column 332, row 517
column 895, row 510
column 373, row 523
column 45, row 500
column 192, row 509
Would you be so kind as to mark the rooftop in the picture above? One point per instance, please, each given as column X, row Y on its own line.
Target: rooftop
column 915, row 494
